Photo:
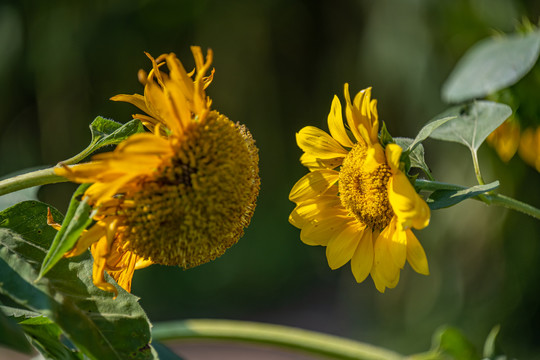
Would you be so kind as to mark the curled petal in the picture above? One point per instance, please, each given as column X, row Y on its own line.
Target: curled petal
column 408, row 206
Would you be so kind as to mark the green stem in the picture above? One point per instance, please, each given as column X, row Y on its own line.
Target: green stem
column 477, row 168
column 282, row 336
column 80, row 156
column 513, row 204
column 488, row 198
column 34, row 178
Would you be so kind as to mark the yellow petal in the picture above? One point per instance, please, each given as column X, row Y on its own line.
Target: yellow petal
column 408, row 206
column 305, row 211
column 335, row 124
column 393, row 153
column 90, row 236
column 374, row 158
column 313, row 184
column 135, row 99
column 416, row 255
column 315, row 163
column 318, row 143
column 341, row 247
column 383, row 262
column 362, row 260
column 354, row 119
column 320, row 232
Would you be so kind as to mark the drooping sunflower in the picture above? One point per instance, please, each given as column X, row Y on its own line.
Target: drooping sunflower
column 356, row 200
column 179, row 195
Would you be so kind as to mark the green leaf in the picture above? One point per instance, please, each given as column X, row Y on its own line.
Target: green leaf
column 97, row 324
column 12, row 336
column 47, row 339
column 107, row 132
column 472, row 123
column 424, row 133
column 76, row 220
column 452, row 342
column 384, row 135
column 444, row 198
column 416, row 156
column 491, row 65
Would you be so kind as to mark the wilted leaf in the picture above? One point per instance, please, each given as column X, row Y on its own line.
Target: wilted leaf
column 491, row 65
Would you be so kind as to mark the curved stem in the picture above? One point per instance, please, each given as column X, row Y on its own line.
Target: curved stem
column 34, row 178
column 513, row 204
column 282, row 336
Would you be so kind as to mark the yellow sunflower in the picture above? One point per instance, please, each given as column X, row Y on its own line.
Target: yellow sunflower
column 356, row 200
column 179, row 195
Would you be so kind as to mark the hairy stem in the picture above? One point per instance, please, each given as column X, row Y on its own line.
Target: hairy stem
column 34, row 178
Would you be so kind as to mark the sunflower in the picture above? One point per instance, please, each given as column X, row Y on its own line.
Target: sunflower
column 179, row 195
column 356, row 200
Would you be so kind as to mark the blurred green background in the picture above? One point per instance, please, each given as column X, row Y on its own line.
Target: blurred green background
column 278, row 65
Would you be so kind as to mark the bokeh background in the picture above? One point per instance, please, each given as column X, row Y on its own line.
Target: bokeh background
column 278, row 64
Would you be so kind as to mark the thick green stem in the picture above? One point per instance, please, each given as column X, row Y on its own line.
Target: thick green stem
column 34, row 178
column 281, row 336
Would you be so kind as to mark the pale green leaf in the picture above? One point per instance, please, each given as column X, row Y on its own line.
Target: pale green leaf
column 76, row 220
column 472, row 123
column 491, row 65
column 424, row 133
column 98, row 325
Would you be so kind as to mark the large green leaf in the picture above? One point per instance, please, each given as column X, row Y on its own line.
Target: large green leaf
column 12, row 336
column 491, row 65
column 472, row 123
column 107, row 132
column 76, row 220
column 99, row 325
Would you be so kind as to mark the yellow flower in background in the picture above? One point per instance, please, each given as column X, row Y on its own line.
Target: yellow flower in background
column 180, row 195
column 529, row 147
column 356, row 200
column 505, row 139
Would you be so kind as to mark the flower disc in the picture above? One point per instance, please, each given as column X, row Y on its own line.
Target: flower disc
column 196, row 205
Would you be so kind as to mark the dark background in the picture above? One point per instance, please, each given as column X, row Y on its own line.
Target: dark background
column 278, row 65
